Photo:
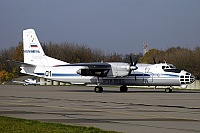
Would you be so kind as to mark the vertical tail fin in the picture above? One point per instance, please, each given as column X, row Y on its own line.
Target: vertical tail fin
column 33, row 52
column 32, row 47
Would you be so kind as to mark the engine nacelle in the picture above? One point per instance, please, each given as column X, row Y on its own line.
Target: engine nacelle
column 119, row 69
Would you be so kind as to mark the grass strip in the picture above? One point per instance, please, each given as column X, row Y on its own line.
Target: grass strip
column 17, row 125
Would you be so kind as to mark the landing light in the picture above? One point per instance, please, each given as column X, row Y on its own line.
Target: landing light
column 183, row 86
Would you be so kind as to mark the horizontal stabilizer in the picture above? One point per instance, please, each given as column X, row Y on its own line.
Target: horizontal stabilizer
column 22, row 64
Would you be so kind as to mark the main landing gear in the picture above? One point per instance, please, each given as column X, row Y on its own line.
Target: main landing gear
column 123, row 88
column 99, row 89
column 168, row 90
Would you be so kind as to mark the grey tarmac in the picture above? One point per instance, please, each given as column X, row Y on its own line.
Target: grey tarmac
column 138, row 110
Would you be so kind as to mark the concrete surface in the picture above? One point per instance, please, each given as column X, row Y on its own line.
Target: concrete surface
column 138, row 110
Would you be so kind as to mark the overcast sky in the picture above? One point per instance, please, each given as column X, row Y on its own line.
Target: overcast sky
column 111, row 25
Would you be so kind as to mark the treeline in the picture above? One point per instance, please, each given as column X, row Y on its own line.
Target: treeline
column 182, row 58
column 75, row 53
column 7, row 70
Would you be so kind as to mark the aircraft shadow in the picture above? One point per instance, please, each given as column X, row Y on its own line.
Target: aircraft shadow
column 131, row 91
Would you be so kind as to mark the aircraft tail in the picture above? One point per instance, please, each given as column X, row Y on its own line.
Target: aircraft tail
column 33, row 52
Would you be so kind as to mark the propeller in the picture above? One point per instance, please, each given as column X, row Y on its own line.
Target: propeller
column 133, row 66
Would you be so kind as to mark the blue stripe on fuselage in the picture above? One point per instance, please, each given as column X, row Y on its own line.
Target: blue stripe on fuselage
column 40, row 74
column 58, row 74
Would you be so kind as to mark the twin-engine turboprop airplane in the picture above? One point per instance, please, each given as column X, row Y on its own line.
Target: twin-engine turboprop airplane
column 38, row 64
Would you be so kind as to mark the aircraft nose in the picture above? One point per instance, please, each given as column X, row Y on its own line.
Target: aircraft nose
column 186, row 78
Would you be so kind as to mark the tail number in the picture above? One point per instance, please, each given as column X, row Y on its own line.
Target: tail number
column 48, row 74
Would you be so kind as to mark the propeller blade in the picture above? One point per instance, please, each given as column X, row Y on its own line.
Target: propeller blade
column 135, row 63
column 154, row 60
column 131, row 64
column 133, row 67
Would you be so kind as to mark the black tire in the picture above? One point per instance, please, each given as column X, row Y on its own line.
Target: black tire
column 168, row 90
column 123, row 89
column 98, row 89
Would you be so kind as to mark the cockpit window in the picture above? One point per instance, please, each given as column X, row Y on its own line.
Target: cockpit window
column 171, row 68
column 168, row 67
column 163, row 67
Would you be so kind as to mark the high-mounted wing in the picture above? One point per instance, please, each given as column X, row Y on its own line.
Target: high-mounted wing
column 91, row 65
